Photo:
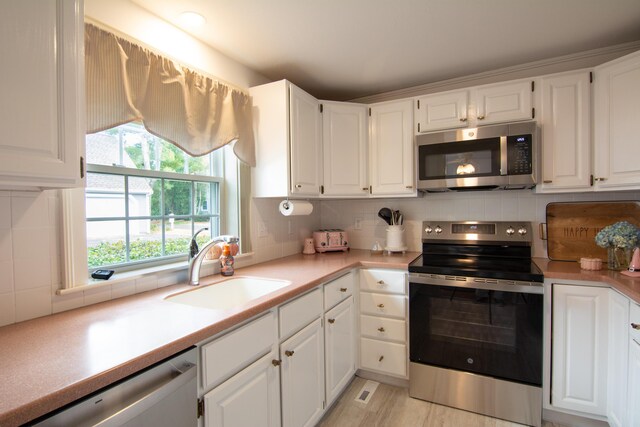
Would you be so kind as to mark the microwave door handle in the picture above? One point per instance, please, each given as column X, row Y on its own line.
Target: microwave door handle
column 503, row 155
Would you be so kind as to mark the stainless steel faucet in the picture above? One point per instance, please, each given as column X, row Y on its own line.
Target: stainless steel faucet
column 196, row 255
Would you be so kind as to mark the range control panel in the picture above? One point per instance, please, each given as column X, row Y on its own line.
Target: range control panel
column 478, row 231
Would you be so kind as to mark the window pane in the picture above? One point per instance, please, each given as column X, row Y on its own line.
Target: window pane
column 202, row 198
column 104, row 195
column 199, row 165
column 177, row 236
column 144, row 196
column 211, row 223
column 106, row 243
column 177, row 197
column 145, row 239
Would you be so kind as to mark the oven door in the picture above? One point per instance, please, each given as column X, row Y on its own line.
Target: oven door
column 492, row 332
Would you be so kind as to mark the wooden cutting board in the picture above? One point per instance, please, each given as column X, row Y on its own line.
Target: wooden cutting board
column 572, row 227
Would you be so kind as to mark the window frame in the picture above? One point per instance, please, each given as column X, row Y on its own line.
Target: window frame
column 127, row 172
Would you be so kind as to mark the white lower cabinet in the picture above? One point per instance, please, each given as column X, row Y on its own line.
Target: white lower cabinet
column 302, row 376
column 249, row 398
column 339, row 341
column 618, row 359
column 383, row 322
column 579, row 348
column 633, row 397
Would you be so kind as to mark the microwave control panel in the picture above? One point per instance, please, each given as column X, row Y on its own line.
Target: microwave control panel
column 519, row 152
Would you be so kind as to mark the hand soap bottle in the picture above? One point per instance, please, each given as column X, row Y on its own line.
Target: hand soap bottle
column 226, row 261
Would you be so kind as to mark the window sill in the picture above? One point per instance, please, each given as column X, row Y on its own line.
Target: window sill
column 139, row 273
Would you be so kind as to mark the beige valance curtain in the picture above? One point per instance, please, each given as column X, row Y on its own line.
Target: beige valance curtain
column 126, row 82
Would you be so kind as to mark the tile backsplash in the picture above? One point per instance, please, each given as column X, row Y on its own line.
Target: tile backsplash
column 30, row 259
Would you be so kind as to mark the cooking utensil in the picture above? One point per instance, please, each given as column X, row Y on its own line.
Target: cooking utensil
column 385, row 214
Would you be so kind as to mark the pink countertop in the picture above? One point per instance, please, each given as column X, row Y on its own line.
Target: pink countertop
column 570, row 270
column 54, row 360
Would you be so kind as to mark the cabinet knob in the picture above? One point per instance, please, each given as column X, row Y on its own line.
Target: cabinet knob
column 380, row 359
column 381, row 329
column 380, row 305
column 600, row 179
column 343, row 289
column 332, row 321
column 409, row 186
column 289, row 353
column 276, row 362
column 635, row 325
column 380, row 282
column 480, row 117
column 547, row 181
column 463, row 119
column 365, row 188
column 298, row 185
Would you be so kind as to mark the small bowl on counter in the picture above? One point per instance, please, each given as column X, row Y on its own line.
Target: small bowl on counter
column 591, row 264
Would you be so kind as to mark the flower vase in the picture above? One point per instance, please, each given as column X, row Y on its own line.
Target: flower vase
column 618, row 258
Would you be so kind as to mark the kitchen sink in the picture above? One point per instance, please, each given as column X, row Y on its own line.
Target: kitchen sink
column 228, row 294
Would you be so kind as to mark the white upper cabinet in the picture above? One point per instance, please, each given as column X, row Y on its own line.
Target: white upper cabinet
column 477, row 106
column 288, row 130
column 503, row 102
column 616, row 123
column 566, row 132
column 344, row 145
column 42, row 102
column 391, row 149
column 442, row 111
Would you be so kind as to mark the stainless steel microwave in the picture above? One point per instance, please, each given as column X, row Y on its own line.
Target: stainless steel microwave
column 501, row 157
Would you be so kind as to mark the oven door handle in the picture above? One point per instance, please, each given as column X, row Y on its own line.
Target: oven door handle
column 477, row 283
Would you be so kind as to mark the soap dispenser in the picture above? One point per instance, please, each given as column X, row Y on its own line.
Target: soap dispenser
column 226, row 261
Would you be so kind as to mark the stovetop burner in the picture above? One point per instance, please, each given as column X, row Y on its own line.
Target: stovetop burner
column 494, row 250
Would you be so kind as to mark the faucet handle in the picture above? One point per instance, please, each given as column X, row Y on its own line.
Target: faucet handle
column 193, row 246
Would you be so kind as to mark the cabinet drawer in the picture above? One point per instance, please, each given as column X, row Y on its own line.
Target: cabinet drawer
column 634, row 317
column 383, row 328
column 383, row 281
column 382, row 356
column 337, row 290
column 385, row 305
column 230, row 353
column 300, row 312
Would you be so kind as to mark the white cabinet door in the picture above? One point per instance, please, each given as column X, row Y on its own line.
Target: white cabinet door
column 503, row 102
column 566, row 135
column 250, row 398
column 42, row 87
column 579, row 349
column 441, row 111
column 339, row 348
column 633, row 397
column 305, row 143
column 618, row 359
column 344, row 145
column 616, row 119
column 391, row 149
column 302, row 376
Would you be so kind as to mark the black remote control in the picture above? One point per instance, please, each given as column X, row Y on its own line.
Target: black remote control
column 102, row 274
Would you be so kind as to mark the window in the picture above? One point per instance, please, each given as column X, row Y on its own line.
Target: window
column 145, row 198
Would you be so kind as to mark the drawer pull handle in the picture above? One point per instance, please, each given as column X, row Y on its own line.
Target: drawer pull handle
column 276, row 362
column 298, row 185
column 332, row 321
column 463, row 119
column 480, row 117
column 381, row 329
column 380, row 305
column 635, row 325
column 289, row 353
column 381, row 357
column 343, row 289
column 381, row 282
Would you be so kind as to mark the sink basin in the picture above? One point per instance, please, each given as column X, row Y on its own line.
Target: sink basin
column 229, row 294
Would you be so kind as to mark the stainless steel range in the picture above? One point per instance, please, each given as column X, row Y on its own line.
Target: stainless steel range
column 475, row 320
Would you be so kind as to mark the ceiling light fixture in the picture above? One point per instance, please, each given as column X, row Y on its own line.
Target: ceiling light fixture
column 192, row 19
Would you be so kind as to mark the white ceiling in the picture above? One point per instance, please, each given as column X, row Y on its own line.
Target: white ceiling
column 343, row 49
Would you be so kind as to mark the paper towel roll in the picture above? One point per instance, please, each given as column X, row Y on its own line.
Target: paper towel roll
column 295, row 207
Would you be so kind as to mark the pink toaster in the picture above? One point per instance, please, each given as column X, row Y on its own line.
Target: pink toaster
column 330, row 240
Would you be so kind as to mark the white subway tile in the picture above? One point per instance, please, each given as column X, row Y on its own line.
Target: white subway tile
column 97, row 295
column 32, row 273
column 6, row 244
column 7, row 309
column 31, row 243
column 33, row 303
column 6, row 277
column 5, row 211
column 29, row 210
column 146, row 283
column 123, row 289
column 67, row 302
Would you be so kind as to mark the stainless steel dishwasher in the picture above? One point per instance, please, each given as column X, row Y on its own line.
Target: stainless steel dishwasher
column 164, row 394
